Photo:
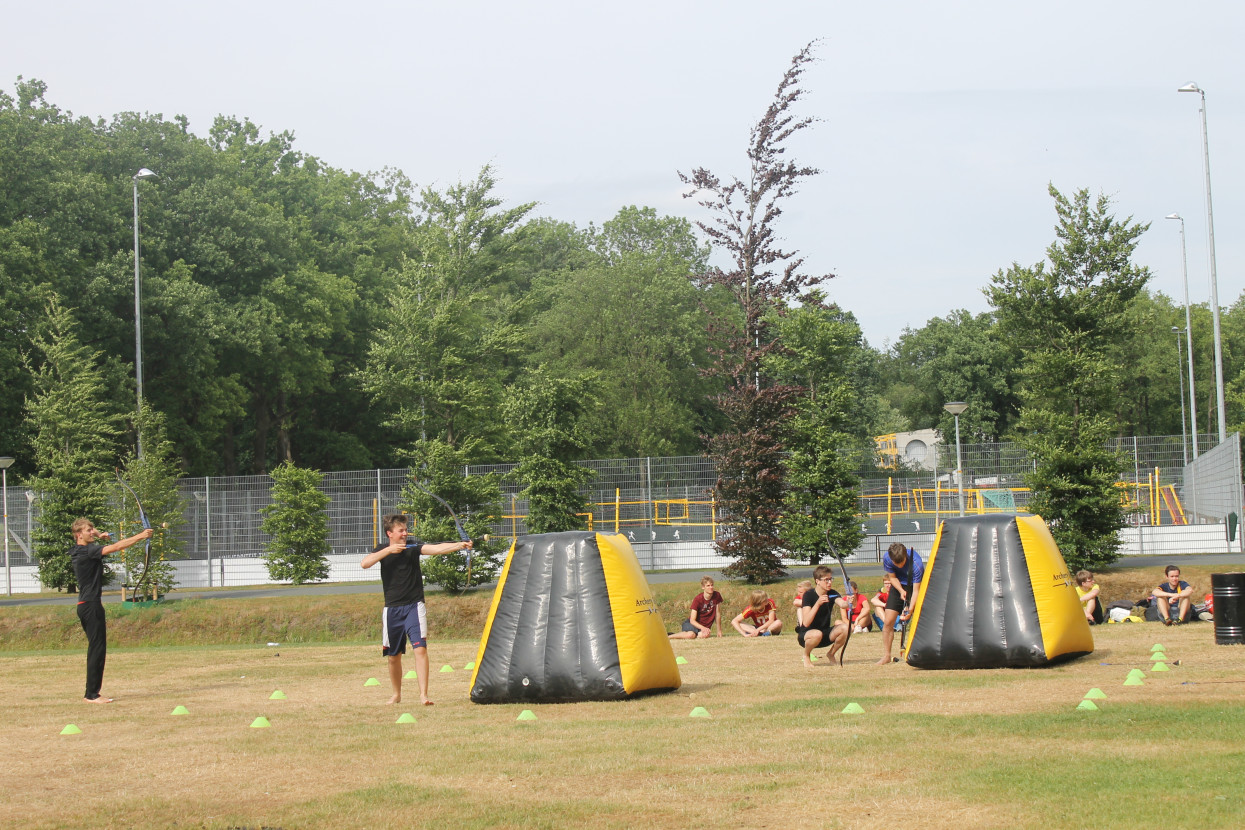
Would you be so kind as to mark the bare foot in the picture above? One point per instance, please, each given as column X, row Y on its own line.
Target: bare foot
column 396, row 698
column 808, row 664
column 885, row 661
column 426, row 701
column 100, row 699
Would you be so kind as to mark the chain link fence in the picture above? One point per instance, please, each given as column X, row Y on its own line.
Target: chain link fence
column 664, row 503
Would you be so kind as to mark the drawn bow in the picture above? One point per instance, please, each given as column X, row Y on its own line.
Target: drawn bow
column 462, row 534
column 142, row 515
column 850, row 597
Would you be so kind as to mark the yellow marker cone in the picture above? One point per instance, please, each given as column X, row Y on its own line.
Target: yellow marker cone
column 680, row 659
column 1159, row 667
column 526, row 714
column 1095, row 694
column 260, row 723
column 852, row 708
column 1087, row 706
column 371, row 681
column 699, row 712
column 277, row 695
column 406, row 717
column 180, row 710
column 410, row 675
column 71, row 730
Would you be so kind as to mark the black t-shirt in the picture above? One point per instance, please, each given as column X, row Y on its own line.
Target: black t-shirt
column 827, row 613
column 400, row 575
column 88, row 569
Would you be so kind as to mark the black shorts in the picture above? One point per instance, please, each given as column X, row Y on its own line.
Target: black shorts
column 800, row 631
column 894, row 602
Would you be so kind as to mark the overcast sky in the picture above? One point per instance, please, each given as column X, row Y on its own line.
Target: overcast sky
column 941, row 124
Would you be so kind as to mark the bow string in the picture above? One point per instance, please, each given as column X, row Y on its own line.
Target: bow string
column 462, row 534
column 142, row 515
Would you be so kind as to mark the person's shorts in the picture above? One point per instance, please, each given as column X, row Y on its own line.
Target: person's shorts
column 401, row 623
column 800, row 631
column 894, row 602
column 687, row 626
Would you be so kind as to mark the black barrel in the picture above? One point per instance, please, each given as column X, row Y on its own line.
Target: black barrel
column 1229, row 594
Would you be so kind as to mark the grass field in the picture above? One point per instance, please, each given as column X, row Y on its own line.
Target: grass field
column 993, row 748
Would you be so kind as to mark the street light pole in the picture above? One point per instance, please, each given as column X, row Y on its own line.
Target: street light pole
column 5, row 463
column 1188, row 333
column 1184, row 433
column 955, row 408
column 1214, row 278
column 143, row 173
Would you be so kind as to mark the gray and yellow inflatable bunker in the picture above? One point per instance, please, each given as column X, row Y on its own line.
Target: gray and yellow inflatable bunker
column 572, row 619
column 996, row 594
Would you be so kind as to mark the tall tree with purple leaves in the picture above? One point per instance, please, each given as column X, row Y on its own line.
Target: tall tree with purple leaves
column 764, row 280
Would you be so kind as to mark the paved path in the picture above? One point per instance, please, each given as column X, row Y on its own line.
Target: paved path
column 1228, row 561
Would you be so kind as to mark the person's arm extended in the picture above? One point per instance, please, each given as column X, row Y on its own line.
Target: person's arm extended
column 125, row 543
column 442, row 548
column 736, row 623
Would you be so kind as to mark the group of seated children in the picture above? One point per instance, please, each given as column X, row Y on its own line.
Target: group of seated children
column 823, row 616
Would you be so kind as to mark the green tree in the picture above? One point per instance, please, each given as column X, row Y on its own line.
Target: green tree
column 1066, row 319
column 75, row 433
column 297, row 525
column 763, row 279
column 474, row 499
column 154, row 478
column 546, row 418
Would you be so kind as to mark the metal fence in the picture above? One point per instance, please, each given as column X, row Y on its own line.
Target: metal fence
column 668, row 501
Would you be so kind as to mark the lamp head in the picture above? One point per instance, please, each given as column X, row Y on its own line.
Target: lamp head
column 1176, row 329
column 5, row 462
column 144, row 173
column 1190, row 87
column 955, row 407
column 1174, row 216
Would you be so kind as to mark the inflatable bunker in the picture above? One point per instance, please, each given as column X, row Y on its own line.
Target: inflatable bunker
column 996, row 594
column 572, row 619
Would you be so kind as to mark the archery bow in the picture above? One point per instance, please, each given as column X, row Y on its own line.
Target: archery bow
column 850, row 598
column 142, row 515
column 462, row 534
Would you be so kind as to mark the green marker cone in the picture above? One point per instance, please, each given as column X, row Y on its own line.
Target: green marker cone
column 1156, row 647
column 852, row 708
column 1159, row 657
column 1137, row 673
column 1159, row 667
column 526, row 714
column 406, row 717
column 699, row 712
column 277, row 695
column 1087, row 706
column 180, row 710
column 471, row 664
column 1095, row 694
column 447, row 667
column 410, row 675
column 680, row 659
column 371, row 681
column 1134, row 681
column 71, row 730
column 260, row 723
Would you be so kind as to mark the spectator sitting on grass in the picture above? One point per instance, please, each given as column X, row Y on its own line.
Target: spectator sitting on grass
column 1173, row 599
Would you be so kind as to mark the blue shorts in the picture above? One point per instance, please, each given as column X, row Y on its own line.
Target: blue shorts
column 401, row 623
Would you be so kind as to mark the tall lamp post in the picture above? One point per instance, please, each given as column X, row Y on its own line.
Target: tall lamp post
column 955, row 408
column 1214, row 278
column 1184, row 432
column 143, row 173
column 1188, row 332
column 5, row 463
